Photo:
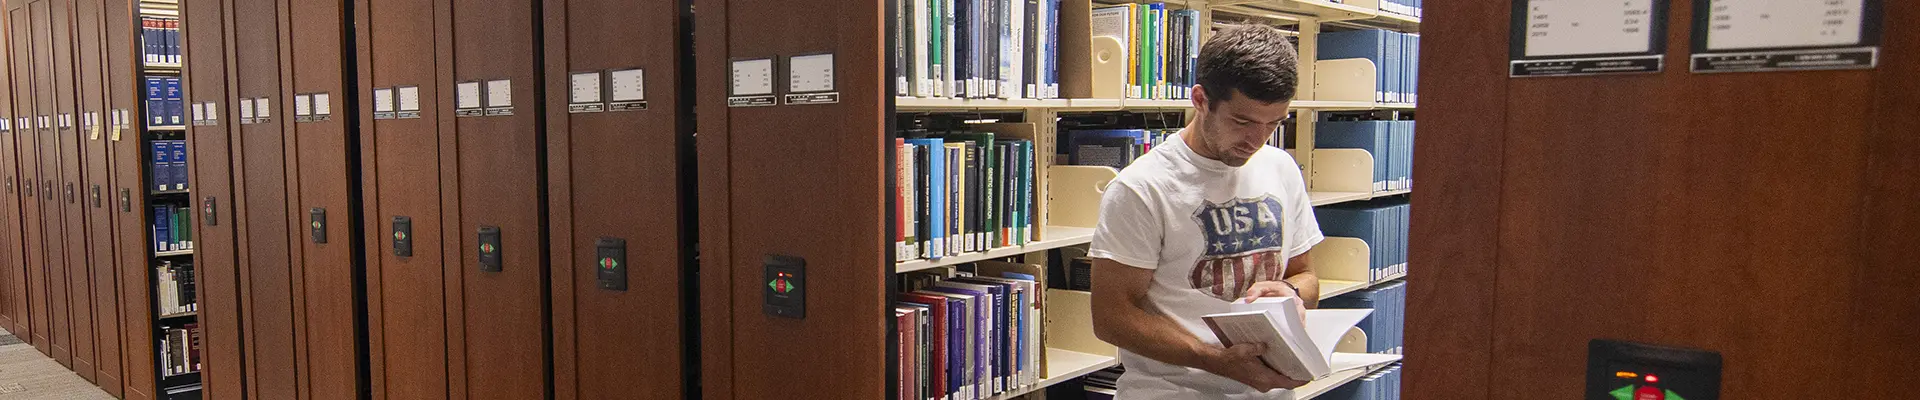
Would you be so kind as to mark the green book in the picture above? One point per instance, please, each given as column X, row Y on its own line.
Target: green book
column 183, row 226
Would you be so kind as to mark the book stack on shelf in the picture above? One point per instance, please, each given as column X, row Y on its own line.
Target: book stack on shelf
column 180, row 350
column 175, row 289
column 1395, row 56
column 963, row 192
column 1380, row 223
column 1411, row 8
column 1379, row 385
column 971, row 335
column 1162, row 46
column 165, row 107
column 160, row 41
column 1385, row 327
column 1110, row 147
column 1390, row 143
column 169, row 165
column 172, row 228
column 1003, row 49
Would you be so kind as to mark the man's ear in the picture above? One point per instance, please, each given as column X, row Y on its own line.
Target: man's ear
column 1199, row 95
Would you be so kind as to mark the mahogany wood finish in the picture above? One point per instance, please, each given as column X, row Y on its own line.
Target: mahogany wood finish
column 92, row 193
column 772, row 204
column 1744, row 213
column 326, row 316
column 208, row 70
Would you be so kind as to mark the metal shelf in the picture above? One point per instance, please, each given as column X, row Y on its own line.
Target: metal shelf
column 1325, row 198
column 1066, row 365
column 173, row 253
column 1057, row 237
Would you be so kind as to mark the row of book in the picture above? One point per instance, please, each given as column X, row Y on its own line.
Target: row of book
column 172, row 228
column 1381, row 223
column 1395, row 55
column 180, row 350
column 1162, row 46
column 1386, row 326
column 1390, row 143
column 962, row 192
column 160, row 39
column 165, row 106
column 977, row 48
column 971, row 337
column 173, row 287
column 1111, row 147
column 1103, row 384
column 1379, row 385
column 1412, row 8
column 169, row 165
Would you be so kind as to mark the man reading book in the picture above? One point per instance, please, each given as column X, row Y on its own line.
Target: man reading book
column 1211, row 216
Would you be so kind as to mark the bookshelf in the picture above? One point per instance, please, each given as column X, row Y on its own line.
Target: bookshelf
column 175, row 369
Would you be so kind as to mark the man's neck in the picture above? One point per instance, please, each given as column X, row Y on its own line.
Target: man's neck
column 1192, row 139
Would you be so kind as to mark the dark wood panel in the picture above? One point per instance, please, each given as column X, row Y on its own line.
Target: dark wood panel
column 775, row 207
column 33, row 213
column 262, row 180
column 13, row 203
column 319, row 65
column 503, row 324
column 216, row 266
column 73, row 176
column 603, row 164
column 56, row 171
column 401, row 175
column 1456, row 220
column 90, row 58
column 1883, row 314
column 130, row 241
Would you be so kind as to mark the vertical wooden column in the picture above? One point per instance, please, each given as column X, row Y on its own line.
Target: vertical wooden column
column 774, row 165
column 500, row 327
column 12, row 251
column 65, row 235
column 125, row 199
column 401, row 161
column 26, row 80
column 208, row 71
column 330, row 270
column 262, row 182
column 616, row 172
column 91, row 130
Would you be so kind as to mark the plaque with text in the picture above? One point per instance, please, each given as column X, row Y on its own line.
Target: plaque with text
column 1587, row 37
column 1774, row 35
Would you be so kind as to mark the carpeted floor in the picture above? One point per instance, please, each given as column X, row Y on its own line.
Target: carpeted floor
column 27, row 374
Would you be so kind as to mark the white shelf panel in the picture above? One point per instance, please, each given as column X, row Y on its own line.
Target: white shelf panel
column 1325, row 198
column 1064, row 366
column 1333, row 288
column 173, row 253
column 1322, row 386
column 1057, row 237
column 935, row 103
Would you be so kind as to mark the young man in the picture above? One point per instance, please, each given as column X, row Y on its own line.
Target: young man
column 1209, row 217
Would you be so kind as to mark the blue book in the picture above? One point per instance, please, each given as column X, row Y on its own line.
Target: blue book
column 1370, row 44
column 162, row 228
column 1372, row 136
column 173, row 40
column 174, row 102
column 1361, row 221
column 149, row 52
column 1098, row 146
column 1053, row 48
column 1415, row 61
column 1393, row 65
column 998, row 361
column 1364, row 298
column 937, row 191
column 154, row 96
column 157, row 166
column 179, row 164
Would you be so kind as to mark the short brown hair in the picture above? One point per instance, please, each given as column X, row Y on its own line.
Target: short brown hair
column 1256, row 60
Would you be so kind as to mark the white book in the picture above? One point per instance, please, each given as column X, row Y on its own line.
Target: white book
column 1301, row 349
column 1014, row 50
column 947, row 40
column 923, row 74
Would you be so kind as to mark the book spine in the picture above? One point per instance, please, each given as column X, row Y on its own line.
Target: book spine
column 902, row 174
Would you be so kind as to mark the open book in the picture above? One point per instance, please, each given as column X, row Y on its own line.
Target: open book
column 1299, row 349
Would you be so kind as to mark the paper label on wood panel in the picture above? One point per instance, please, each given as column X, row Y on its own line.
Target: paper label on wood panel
column 66, row 121
column 199, row 113
column 383, row 103
column 627, row 90
column 810, row 73
column 262, row 111
column 213, row 113
column 302, row 107
column 407, row 99
column 751, row 83
column 499, row 98
column 584, row 93
column 322, row 106
column 1778, row 35
column 466, row 99
column 1583, row 37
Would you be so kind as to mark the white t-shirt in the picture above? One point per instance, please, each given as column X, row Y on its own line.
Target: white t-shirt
column 1208, row 231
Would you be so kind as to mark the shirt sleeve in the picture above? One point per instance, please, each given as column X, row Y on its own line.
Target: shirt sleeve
column 1128, row 231
column 1304, row 227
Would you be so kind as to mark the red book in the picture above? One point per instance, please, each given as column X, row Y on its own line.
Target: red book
column 937, row 324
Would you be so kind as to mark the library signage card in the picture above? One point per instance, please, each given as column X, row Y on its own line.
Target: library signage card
column 810, row 79
column 1587, row 37
column 322, row 106
column 1780, row 35
column 466, row 100
column 626, row 90
column 584, row 93
column 750, row 83
column 406, row 102
column 302, row 108
column 383, row 103
column 499, row 97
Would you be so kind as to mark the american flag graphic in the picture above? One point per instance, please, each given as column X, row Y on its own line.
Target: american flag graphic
column 1243, row 246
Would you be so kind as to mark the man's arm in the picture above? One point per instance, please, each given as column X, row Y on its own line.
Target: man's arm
column 1124, row 319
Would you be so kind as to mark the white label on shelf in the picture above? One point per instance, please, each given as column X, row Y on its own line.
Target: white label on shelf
column 466, row 95
column 627, row 85
column 383, row 100
column 302, row 105
column 1751, row 24
column 1579, row 27
column 261, row 108
column 322, row 104
column 752, row 77
column 212, row 112
column 409, row 98
column 810, row 73
column 199, row 112
column 246, row 109
column 584, row 88
column 499, row 93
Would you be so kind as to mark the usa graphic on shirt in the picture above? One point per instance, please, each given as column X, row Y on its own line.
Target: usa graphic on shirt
column 1243, row 246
